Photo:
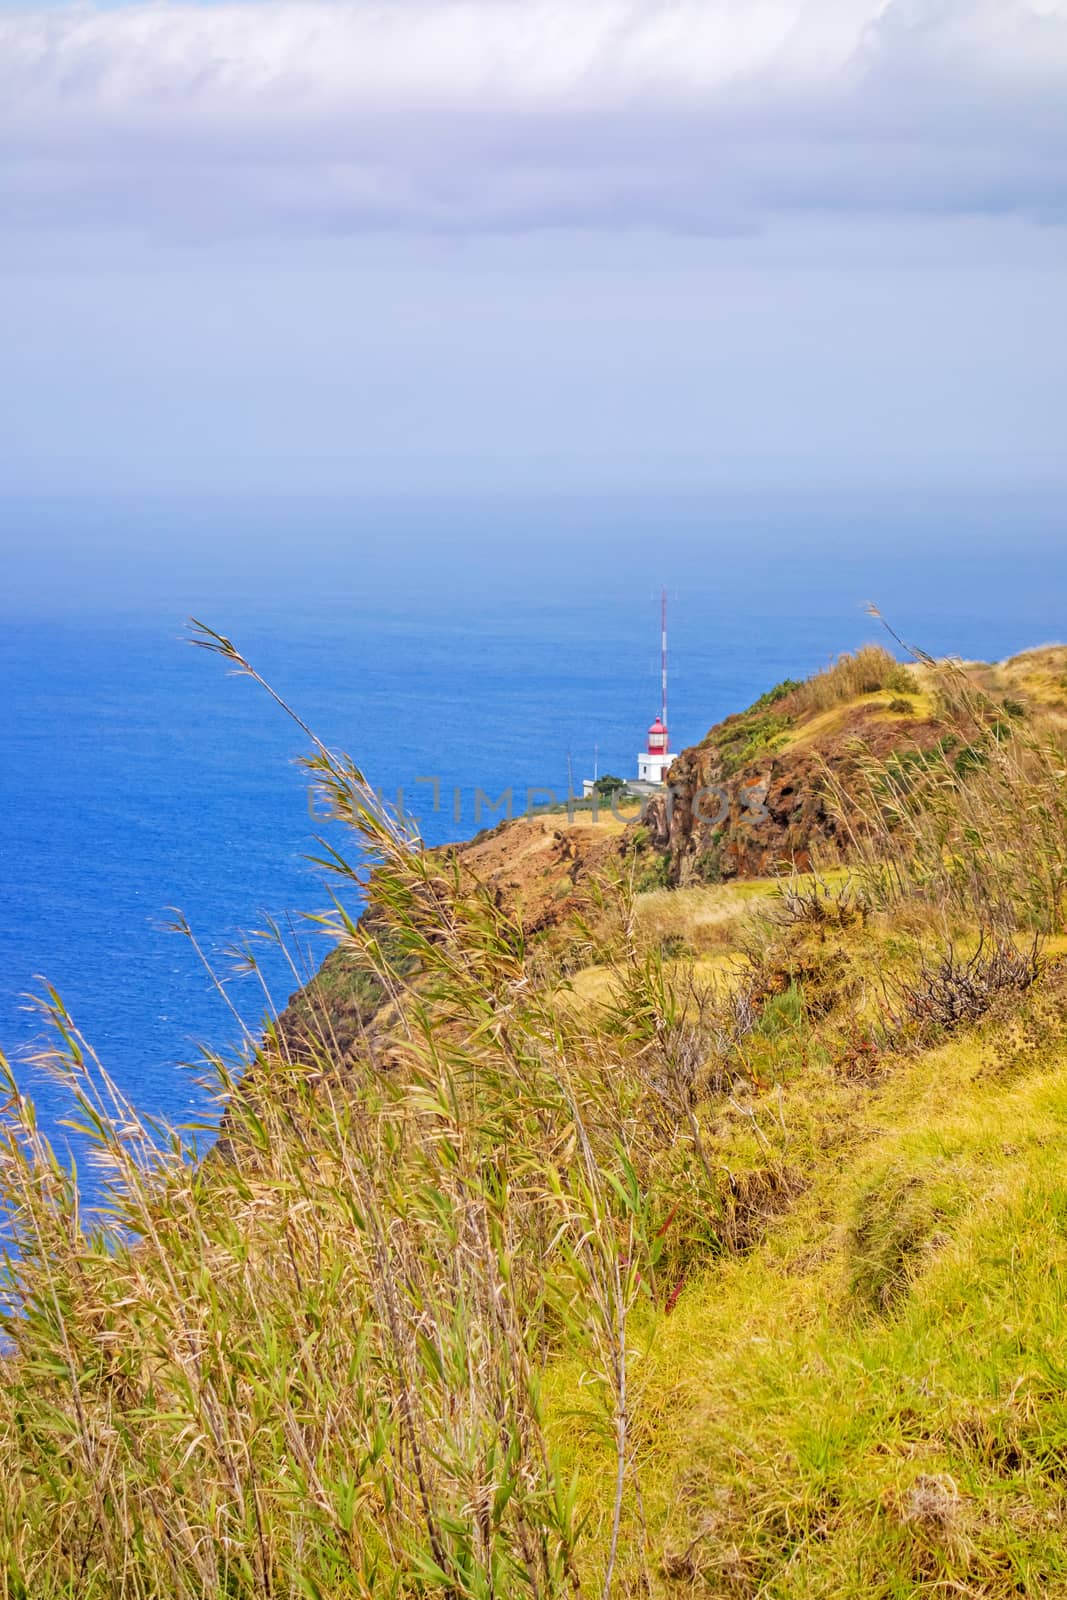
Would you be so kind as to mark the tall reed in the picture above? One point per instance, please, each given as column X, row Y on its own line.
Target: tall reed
column 976, row 824
column 313, row 1364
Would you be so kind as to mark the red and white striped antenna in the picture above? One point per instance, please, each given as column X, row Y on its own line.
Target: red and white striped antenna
column 663, row 653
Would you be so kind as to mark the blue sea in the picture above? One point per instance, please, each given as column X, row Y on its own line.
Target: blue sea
column 483, row 643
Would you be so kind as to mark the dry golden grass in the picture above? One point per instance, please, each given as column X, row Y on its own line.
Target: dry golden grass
column 978, row 822
column 868, row 670
column 706, row 918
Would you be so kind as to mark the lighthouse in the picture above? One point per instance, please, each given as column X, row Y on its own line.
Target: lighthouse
column 653, row 761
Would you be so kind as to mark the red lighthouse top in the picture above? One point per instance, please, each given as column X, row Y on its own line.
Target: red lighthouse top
column 658, row 738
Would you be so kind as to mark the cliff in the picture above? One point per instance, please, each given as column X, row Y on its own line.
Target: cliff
column 780, row 787
column 786, row 783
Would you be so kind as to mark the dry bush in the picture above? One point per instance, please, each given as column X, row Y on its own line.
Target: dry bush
column 955, row 989
column 810, row 901
column 868, row 670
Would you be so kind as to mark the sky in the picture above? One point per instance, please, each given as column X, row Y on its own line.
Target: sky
column 402, row 246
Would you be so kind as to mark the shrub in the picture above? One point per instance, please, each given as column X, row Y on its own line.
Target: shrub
column 779, row 692
column 957, row 989
column 609, row 784
column 869, row 670
column 742, row 738
column 811, row 901
column 900, row 679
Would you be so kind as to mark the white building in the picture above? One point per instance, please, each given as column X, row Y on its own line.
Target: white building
column 653, row 762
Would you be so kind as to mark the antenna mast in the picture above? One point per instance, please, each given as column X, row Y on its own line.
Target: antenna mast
column 663, row 649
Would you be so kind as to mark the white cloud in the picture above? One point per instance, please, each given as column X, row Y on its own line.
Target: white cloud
column 490, row 114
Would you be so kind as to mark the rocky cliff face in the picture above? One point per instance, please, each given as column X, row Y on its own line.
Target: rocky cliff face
column 761, row 792
column 756, row 795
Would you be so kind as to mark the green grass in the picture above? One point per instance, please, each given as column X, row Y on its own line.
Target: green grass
column 752, row 733
column 874, row 1400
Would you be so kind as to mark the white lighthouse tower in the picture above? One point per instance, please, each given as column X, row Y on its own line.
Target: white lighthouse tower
column 653, row 761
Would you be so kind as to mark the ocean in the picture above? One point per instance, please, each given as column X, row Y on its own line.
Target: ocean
column 485, row 645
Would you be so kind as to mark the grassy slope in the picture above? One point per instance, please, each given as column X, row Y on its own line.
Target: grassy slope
column 872, row 1401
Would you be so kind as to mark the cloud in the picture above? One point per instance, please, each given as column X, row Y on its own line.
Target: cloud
column 477, row 115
